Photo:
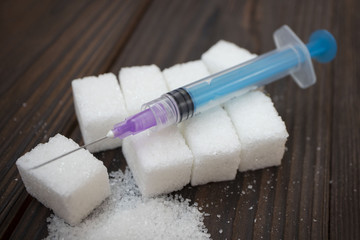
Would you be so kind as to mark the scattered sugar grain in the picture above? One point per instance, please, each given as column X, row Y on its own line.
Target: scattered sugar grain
column 126, row 215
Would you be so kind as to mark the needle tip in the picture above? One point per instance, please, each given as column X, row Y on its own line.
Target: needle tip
column 110, row 134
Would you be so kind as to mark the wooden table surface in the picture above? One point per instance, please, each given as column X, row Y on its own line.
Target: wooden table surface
column 315, row 193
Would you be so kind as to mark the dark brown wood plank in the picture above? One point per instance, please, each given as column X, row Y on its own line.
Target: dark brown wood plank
column 291, row 201
column 25, row 35
column 345, row 144
column 38, row 102
column 313, row 194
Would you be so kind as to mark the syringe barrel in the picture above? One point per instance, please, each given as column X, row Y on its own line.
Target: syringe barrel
column 291, row 57
column 219, row 88
column 183, row 103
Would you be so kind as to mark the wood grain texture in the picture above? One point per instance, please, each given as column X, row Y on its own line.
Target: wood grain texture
column 314, row 194
column 345, row 145
column 38, row 102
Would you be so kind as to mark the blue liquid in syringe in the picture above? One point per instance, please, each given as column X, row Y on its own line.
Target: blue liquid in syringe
column 257, row 72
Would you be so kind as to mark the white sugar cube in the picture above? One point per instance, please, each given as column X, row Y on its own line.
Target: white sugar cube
column 215, row 146
column 224, row 55
column 261, row 131
column 99, row 105
column 71, row 186
column 210, row 136
column 183, row 74
column 160, row 161
column 141, row 85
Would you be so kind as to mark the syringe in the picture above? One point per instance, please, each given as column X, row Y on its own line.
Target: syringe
column 292, row 57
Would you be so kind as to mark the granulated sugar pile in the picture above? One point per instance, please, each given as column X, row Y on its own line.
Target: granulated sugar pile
column 126, row 215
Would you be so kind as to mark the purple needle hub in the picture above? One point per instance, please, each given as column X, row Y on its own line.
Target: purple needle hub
column 159, row 113
column 135, row 124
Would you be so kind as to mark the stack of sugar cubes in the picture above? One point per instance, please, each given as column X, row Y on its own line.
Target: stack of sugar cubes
column 245, row 134
column 216, row 149
column 260, row 129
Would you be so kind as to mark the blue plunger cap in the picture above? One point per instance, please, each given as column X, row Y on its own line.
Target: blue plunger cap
column 322, row 46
